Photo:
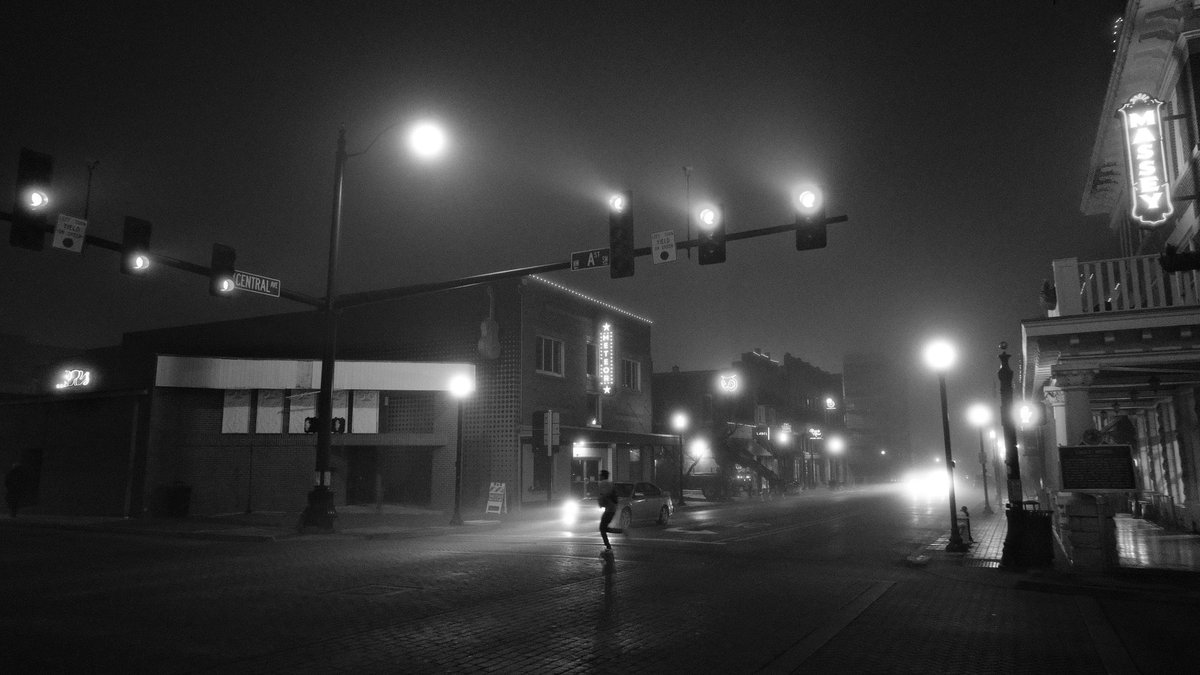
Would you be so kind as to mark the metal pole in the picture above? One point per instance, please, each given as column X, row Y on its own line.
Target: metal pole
column 456, row 519
column 956, row 543
column 681, row 502
column 987, row 505
column 320, row 511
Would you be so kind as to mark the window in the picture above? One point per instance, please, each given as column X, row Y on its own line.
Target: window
column 631, row 375
column 549, row 356
column 591, row 359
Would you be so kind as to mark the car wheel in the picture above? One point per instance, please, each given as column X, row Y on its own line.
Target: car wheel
column 625, row 520
column 664, row 516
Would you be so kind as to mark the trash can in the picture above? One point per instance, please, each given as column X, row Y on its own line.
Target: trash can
column 1030, row 538
column 178, row 497
column 1038, row 544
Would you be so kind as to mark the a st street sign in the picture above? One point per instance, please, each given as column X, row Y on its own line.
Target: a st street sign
column 582, row 260
column 255, row 283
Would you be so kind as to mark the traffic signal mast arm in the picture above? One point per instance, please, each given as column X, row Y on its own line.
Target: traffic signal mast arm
column 382, row 295
column 160, row 259
column 367, row 297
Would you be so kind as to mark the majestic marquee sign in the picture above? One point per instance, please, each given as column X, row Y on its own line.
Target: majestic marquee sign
column 606, row 358
column 1141, row 118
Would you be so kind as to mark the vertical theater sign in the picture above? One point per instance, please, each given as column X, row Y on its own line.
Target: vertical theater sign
column 1141, row 118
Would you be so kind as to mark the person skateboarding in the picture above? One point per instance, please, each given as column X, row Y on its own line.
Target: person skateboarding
column 606, row 494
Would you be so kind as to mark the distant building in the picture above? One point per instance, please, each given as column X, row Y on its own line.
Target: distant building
column 755, row 416
column 877, row 414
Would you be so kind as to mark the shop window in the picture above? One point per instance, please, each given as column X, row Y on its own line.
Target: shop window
column 549, row 357
column 235, row 413
column 631, row 375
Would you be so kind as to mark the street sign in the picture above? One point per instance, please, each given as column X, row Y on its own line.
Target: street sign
column 255, row 283
column 69, row 233
column 583, row 260
column 662, row 246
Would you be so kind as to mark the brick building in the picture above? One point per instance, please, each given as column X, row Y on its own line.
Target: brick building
column 217, row 410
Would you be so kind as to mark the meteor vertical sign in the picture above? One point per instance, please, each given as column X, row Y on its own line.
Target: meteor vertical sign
column 606, row 358
column 1141, row 118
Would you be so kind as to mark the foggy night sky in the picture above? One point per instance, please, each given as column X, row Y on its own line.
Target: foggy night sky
column 955, row 136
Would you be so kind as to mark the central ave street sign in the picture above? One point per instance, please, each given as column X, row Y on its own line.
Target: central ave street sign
column 255, row 283
column 582, row 260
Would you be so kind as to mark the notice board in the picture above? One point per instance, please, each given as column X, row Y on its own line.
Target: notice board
column 1097, row 467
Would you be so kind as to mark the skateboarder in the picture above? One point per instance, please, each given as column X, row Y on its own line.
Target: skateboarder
column 606, row 494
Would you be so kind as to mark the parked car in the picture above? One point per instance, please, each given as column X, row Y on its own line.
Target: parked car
column 639, row 503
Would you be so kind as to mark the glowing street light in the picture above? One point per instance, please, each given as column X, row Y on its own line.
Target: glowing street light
column 940, row 355
column 427, row 140
column 980, row 416
column 836, row 445
column 680, row 422
column 460, row 387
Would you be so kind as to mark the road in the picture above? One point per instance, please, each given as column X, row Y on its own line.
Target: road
column 736, row 587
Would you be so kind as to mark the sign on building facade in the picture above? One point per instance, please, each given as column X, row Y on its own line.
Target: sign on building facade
column 1150, row 198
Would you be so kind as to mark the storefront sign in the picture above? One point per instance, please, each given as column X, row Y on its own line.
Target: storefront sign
column 606, row 358
column 1141, row 118
column 1097, row 467
column 74, row 379
column 729, row 382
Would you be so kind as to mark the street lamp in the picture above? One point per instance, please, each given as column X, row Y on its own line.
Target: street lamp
column 461, row 386
column 680, row 422
column 836, row 446
column 320, row 511
column 980, row 416
column 939, row 356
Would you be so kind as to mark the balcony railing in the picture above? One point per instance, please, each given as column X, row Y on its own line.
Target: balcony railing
column 1119, row 285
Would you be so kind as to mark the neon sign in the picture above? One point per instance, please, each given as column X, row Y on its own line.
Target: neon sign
column 1141, row 120
column 606, row 358
column 729, row 383
column 74, row 378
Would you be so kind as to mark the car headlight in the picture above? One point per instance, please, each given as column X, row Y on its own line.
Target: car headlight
column 570, row 512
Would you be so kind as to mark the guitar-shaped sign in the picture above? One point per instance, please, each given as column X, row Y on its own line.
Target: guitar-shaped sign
column 489, row 338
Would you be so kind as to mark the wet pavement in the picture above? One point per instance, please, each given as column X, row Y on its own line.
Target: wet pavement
column 951, row 613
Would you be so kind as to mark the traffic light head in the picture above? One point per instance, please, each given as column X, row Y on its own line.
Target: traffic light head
column 135, row 246
column 29, row 221
column 810, row 219
column 620, row 236
column 712, row 236
column 221, row 271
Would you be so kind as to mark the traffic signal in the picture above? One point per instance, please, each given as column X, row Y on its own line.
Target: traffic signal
column 712, row 236
column 310, row 425
column 135, row 246
column 1171, row 260
column 810, row 220
column 220, row 280
column 620, row 236
column 29, row 221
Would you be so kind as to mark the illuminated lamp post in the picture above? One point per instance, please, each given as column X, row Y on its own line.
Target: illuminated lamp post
column 836, row 447
column 980, row 416
column 680, row 423
column 426, row 140
column 461, row 386
column 939, row 356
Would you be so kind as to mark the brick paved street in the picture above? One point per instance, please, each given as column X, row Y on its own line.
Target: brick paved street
column 817, row 583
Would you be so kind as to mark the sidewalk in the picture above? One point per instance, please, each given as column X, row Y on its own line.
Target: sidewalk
column 1147, row 553
column 369, row 522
